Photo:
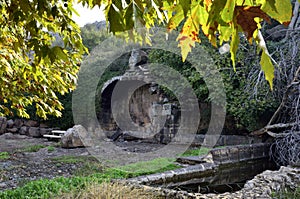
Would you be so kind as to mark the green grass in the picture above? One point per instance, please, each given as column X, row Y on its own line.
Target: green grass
column 287, row 194
column 195, row 152
column 51, row 188
column 148, row 167
column 4, row 155
column 34, row 148
column 51, row 148
column 91, row 172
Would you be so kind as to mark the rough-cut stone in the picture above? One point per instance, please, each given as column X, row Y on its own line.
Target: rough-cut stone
column 13, row 130
column 260, row 187
column 18, row 123
column 44, row 131
column 232, row 154
column 31, row 123
column 3, row 125
column 72, row 138
column 10, row 123
column 43, row 125
column 23, row 130
column 34, row 132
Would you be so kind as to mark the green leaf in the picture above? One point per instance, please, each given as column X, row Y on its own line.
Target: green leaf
column 280, row 10
column 234, row 44
column 59, row 52
column 176, row 19
column 185, row 4
column 267, row 67
column 115, row 19
column 227, row 13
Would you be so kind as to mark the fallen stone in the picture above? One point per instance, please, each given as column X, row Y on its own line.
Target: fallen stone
column 72, row 138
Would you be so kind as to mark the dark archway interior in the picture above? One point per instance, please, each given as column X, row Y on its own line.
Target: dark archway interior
column 104, row 115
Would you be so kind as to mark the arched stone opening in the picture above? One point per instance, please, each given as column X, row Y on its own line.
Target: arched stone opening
column 148, row 106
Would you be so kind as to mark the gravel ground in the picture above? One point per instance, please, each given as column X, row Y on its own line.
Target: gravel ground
column 22, row 165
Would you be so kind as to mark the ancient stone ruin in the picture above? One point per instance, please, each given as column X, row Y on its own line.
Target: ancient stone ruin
column 150, row 109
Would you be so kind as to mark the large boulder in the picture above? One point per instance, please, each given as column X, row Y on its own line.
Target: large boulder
column 72, row 138
column 3, row 125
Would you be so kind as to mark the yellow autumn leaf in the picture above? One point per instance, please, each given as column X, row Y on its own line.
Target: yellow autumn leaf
column 267, row 67
column 186, row 44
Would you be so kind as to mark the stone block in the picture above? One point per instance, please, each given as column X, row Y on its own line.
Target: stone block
column 13, row 130
column 18, row 123
column 3, row 125
column 34, row 132
column 10, row 123
column 31, row 123
column 24, row 130
column 45, row 131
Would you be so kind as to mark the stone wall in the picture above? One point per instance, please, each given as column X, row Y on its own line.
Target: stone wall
column 23, row 127
column 217, row 157
column 261, row 186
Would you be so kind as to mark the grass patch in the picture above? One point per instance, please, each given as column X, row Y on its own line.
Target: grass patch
column 4, row 155
column 51, row 188
column 89, row 166
column 34, row 148
column 148, row 167
column 287, row 194
column 51, row 148
column 196, row 152
column 46, row 188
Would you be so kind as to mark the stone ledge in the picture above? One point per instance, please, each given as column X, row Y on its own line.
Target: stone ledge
column 260, row 187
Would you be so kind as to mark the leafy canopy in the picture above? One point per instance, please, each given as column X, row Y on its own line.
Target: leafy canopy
column 32, row 69
column 221, row 21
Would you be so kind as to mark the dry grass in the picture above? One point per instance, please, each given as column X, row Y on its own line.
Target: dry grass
column 108, row 190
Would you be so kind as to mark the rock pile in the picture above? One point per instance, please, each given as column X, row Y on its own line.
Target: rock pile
column 23, row 127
